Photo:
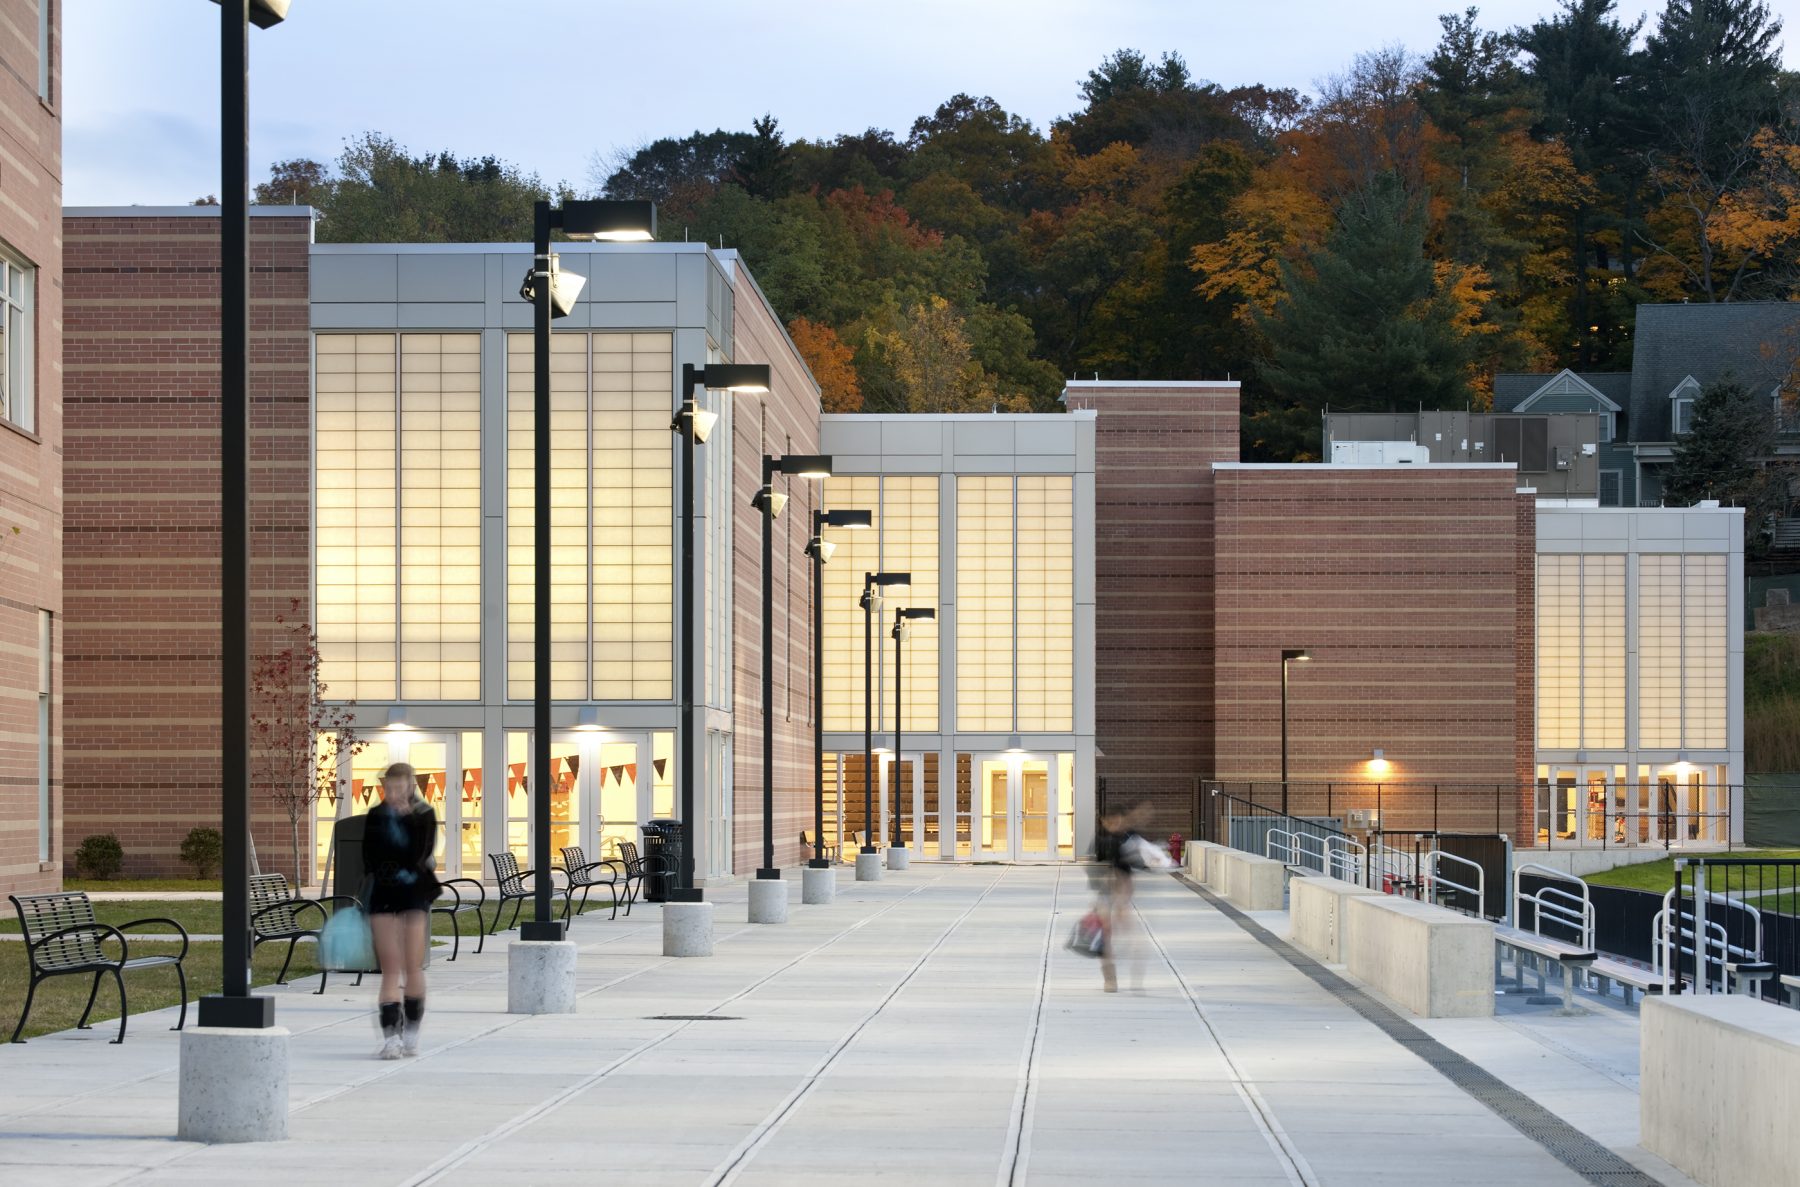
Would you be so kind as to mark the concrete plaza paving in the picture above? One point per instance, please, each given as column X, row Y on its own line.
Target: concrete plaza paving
column 930, row 1027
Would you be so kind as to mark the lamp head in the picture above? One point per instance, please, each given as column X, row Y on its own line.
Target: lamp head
column 396, row 719
column 565, row 288
column 266, row 14
column 916, row 613
column 773, row 500
column 1378, row 763
column 1297, row 654
column 609, row 220
column 886, row 580
column 822, row 548
column 1014, row 745
column 803, row 465
column 701, row 420
column 588, row 718
column 734, row 377
column 848, row 518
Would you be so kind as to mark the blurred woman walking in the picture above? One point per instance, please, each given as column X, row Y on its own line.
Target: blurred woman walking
column 399, row 852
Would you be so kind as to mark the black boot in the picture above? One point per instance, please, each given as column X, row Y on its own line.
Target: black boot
column 390, row 1031
column 415, row 1011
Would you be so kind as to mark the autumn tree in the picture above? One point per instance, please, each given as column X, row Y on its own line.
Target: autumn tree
column 297, row 739
column 831, row 361
column 929, row 362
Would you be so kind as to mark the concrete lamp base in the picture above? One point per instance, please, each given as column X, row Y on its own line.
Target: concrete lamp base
column 768, row 901
column 540, row 977
column 898, row 858
column 687, row 929
column 818, row 885
column 868, row 867
column 234, row 1085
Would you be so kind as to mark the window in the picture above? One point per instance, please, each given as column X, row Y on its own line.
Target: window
column 1684, row 417
column 1682, row 653
column 16, row 343
column 46, row 51
column 1612, row 485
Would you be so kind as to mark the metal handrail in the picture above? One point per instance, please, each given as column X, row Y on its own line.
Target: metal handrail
column 1345, row 855
column 1269, row 845
column 1433, row 878
column 1664, row 948
column 1661, row 935
column 1581, row 917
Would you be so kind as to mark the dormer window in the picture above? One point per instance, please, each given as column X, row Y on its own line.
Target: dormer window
column 1681, row 406
column 1684, row 417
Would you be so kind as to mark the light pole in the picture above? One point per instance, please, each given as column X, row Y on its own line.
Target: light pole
column 867, row 871
column 1288, row 655
column 693, row 423
column 817, row 467
column 820, row 549
column 234, row 1006
column 552, row 294
column 901, row 618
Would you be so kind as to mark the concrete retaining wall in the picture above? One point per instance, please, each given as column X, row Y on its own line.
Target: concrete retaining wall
column 1582, row 862
column 1719, row 1087
column 1252, row 883
column 1436, row 962
column 1195, row 858
column 1316, row 910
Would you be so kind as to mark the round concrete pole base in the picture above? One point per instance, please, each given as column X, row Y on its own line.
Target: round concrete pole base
column 540, row 977
column 768, row 900
column 234, row 1085
column 818, row 885
column 898, row 858
column 687, row 929
column 868, row 867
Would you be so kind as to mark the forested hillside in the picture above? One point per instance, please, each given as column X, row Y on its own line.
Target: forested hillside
column 1500, row 201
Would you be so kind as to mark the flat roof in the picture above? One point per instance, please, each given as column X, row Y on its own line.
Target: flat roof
column 182, row 211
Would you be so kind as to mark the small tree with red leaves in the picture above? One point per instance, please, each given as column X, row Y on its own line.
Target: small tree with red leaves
column 297, row 740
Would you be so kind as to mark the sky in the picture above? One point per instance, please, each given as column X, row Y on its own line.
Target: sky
column 557, row 86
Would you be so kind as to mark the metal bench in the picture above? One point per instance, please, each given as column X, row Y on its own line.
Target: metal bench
column 276, row 914
column 634, row 872
column 1572, row 957
column 63, row 939
column 457, row 907
column 1631, row 979
column 514, row 887
column 582, row 875
column 1791, row 984
column 1749, row 975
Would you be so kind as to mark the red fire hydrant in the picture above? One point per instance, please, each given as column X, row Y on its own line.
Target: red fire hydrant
column 1175, row 844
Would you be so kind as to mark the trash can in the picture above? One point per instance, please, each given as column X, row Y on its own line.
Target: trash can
column 662, row 858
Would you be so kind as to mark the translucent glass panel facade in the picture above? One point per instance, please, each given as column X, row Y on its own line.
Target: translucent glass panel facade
column 440, row 517
column 1682, row 660
column 355, row 484
column 1581, row 652
column 904, row 539
column 612, row 517
column 1015, row 603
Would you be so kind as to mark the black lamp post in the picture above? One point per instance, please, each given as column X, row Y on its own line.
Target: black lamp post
column 552, row 294
column 1288, row 655
column 901, row 618
column 820, row 549
column 814, row 466
column 693, row 423
column 871, row 583
column 234, row 1006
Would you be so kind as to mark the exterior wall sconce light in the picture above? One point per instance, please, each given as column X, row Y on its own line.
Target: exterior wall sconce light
column 396, row 719
column 1378, row 763
column 1014, row 745
column 588, row 718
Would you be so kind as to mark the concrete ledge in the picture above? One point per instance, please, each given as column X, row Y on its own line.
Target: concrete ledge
column 1316, row 912
column 1252, row 883
column 1436, row 962
column 1195, row 858
column 1719, row 1087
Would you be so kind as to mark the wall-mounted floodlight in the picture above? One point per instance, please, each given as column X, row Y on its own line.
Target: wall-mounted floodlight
column 1378, row 763
column 565, row 288
column 588, row 719
column 396, row 718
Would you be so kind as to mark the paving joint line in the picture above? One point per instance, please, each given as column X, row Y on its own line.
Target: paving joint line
column 544, row 1108
column 1287, row 1152
column 1015, row 1166
column 1594, row 1162
column 728, row 1171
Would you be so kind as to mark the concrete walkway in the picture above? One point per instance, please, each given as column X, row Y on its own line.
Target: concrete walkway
column 927, row 1028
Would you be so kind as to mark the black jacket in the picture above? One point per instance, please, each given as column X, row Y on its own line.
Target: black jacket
column 398, row 853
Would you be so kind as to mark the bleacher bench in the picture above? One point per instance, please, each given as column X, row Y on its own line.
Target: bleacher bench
column 1749, row 975
column 1572, row 957
column 1631, row 979
column 1791, row 984
column 63, row 939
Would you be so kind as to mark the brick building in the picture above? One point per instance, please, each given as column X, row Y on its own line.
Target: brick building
column 32, row 825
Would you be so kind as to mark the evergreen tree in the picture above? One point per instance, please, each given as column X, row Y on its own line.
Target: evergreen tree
column 1726, row 453
column 1363, row 326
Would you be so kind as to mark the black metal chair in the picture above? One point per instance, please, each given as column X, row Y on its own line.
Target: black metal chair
column 634, row 872
column 582, row 875
column 512, row 886
column 63, row 939
column 457, row 907
column 276, row 914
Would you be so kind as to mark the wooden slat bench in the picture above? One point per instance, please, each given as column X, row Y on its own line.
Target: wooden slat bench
column 62, row 938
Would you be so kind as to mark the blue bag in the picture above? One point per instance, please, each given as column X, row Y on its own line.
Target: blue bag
column 346, row 944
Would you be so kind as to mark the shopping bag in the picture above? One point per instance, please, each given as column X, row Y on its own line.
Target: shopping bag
column 346, row 944
column 1089, row 937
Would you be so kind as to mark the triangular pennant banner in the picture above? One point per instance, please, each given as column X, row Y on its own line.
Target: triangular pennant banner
column 631, row 772
column 618, row 773
column 662, row 765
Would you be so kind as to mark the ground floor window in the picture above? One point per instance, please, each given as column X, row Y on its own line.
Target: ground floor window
column 1000, row 805
column 1620, row 804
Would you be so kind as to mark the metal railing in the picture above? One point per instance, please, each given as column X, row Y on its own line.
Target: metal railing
column 1552, row 904
column 1435, row 881
column 1741, row 908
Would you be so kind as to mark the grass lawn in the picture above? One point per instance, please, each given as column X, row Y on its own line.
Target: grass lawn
column 1660, row 875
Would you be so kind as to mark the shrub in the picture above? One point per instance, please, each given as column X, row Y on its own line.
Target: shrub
column 100, row 856
column 202, row 849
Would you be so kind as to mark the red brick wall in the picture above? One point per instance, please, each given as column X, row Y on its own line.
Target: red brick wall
column 31, row 464
column 784, row 421
column 1153, row 662
column 142, row 727
column 1411, row 590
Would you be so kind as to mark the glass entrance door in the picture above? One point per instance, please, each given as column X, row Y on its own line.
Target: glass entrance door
column 1017, row 802
column 915, row 792
column 602, row 789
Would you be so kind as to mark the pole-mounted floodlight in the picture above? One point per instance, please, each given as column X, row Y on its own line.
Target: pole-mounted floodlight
column 901, row 618
column 820, row 549
column 814, row 466
column 871, row 583
column 234, row 1005
column 552, row 293
column 693, row 424
column 1289, row 655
